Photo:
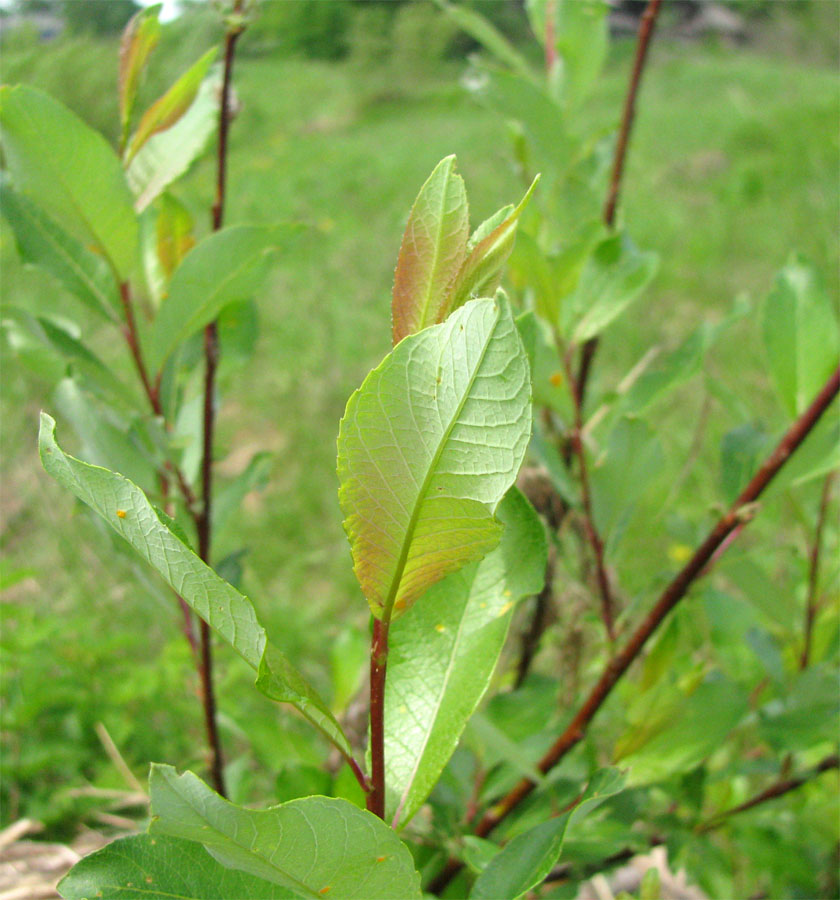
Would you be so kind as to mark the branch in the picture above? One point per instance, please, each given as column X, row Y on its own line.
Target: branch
column 378, row 666
column 132, row 339
column 589, row 525
column 778, row 789
column 211, row 360
column 676, row 590
column 814, row 571
column 646, row 27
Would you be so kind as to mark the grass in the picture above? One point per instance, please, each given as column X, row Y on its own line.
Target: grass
column 733, row 165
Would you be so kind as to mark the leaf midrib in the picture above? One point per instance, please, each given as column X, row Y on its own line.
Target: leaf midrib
column 396, row 581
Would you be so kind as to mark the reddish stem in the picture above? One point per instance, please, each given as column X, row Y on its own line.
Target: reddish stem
column 778, row 789
column 814, row 572
column 676, row 590
column 589, row 525
column 646, row 28
column 378, row 666
column 132, row 339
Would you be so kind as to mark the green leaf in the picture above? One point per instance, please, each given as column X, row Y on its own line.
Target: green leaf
column 523, row 863
column 226, row 610
column 481, row 271
column 279, row 680
column 168, row 154
column 161, row 868
column 632, row 462
column 174, row 231
column 526, row 861
column 428, row 447
column 227, row 266
column 801, row 334
column 612, row 278
column 519, row 99
column 741, row 449
column 443, row 651
column 166, row 111
column 42, row 242
column 485, row 32
column 806, row 716
column 139, row 38
column 693, row 729
column 68, row 168
column 433, row 248
column 315, row 846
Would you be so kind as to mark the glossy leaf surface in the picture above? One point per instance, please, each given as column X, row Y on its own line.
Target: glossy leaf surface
column 156, row 867
column 69, row 169
column 433, row 247
column 428, row 447
column 314, row 846
column 443, row 653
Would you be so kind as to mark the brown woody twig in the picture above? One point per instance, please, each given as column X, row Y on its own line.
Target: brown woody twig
column 646, row 27
column 673, row 593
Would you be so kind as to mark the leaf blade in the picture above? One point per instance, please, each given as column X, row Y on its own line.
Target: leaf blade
column 306, row 845
column 443, row 652
column 432, row 250
column 68, row 168
column 414, row 513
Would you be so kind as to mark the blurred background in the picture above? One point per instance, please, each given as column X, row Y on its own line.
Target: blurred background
column 345, row 106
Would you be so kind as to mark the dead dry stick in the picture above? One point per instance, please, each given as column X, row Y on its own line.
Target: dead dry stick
column 676, row 590
column 117, row 759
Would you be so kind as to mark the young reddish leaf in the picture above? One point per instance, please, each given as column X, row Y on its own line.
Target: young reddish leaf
column 433, row 247
column 428, row 447
column 489, row 248
column 140, row 37
column 166, row 111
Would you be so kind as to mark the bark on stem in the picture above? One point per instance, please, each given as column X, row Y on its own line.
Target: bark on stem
column 592, row 534
column 378, row 666
column 646, row 28
column 777, row 789
column 676, row 590
column 204, row 519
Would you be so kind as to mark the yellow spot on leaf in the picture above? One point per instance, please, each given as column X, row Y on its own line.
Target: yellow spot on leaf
column 506, row 608
column 120, row 513
column 440, row 629
column 381, row 858
column 324, row 890
column 679, row 553
column 556, row 379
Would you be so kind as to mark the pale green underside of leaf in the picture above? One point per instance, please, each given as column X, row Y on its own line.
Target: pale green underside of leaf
column 305, row 845
column 68, row 169
column 156, row 867
column 443, row 653
column 226, row 610
column 42, row 242
column 170, row 153
column 801, row 334
column 167, row 110
column 432, row 250
column 428, row 447
column 229, row 265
